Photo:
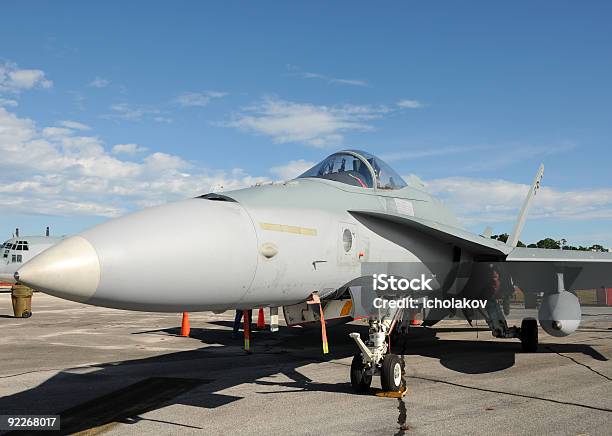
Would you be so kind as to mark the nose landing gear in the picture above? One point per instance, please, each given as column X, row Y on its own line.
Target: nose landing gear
column 391, row 373
column 374, row 357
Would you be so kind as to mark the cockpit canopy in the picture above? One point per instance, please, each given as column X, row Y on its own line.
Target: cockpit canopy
column 357, row 168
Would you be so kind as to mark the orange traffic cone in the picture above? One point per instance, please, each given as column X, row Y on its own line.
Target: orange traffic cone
column 185, row 329
column 261, row 322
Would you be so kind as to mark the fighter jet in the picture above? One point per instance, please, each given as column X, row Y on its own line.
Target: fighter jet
column 18, row 250
column 319, row 237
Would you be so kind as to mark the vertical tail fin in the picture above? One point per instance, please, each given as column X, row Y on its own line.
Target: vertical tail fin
column 520, row 222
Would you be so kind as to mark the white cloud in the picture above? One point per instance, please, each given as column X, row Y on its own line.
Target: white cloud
column 201, row 99
column 513, row 153
column 482, row 158
column 295, row 71
column 286, row 121
column 128, row 149
column 159, row 162
column 431, row 152
column 74, row 125
column 292, row 169
column 99, row 82
column 353, row 82
column 307, row 75
column 160, row 119
column 409, row 104
column 492, row 200
column 13, row 79
column 57, row 171
column 59, row 207
column 127, row 112
column 51, row 132
column 8, row 102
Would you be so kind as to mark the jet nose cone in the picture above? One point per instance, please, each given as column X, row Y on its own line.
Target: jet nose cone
column 70, row 270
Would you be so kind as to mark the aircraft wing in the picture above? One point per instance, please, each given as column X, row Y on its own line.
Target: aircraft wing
column 532, row 269
column 535, row 269
column 566, row 257
column 461, row 238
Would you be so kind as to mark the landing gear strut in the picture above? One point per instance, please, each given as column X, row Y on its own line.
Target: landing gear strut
column 374, row 357
column 527, row 333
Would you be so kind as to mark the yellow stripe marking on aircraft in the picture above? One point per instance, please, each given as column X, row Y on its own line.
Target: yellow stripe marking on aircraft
column 289, row 229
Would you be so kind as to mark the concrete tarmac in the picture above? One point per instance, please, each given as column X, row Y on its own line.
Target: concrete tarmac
column 117, row 372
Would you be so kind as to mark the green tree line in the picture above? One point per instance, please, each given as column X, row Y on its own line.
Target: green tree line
column 552, row 244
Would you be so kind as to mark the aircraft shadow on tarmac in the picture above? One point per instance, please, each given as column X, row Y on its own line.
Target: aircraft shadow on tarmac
column 122, row 391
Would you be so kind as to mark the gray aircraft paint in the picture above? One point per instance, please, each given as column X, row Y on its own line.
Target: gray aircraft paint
column 213, row 268
column 272, row 244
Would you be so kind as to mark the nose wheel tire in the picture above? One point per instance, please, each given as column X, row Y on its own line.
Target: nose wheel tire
column 391, row 373
column 360, row 380
column 529, row 335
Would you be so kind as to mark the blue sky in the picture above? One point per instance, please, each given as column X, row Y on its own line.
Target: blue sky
column 175, row 98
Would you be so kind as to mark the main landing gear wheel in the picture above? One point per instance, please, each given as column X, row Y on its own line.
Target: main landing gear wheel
column 360, row 379
column 391, row 373
column 529, row 335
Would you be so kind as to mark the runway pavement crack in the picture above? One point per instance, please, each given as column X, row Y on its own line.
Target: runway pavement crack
column 531, row 397
column 580, row 363
column 401, row 406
